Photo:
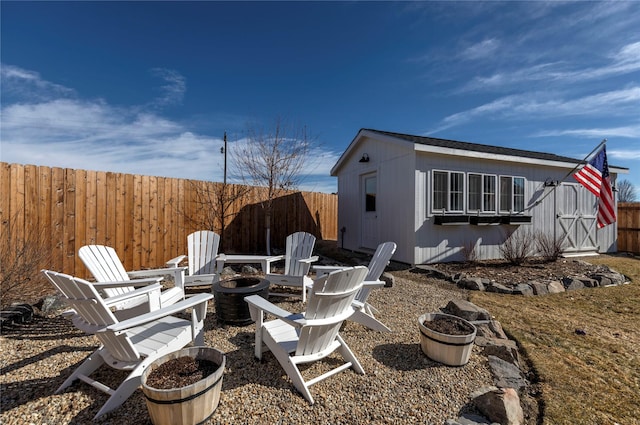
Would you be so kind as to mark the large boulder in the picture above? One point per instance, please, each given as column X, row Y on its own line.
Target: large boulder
column 506, row 374
column 500, row 405
column 466, row 310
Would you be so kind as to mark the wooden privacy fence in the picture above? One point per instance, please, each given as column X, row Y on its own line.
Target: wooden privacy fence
column 146, row 219
column 629, row 227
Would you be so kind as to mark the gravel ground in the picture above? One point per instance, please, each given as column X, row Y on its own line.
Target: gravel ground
column 401, row 384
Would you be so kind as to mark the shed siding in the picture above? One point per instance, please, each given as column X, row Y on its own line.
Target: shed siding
column 436, row 243
column 394, row 165
column 404, row 196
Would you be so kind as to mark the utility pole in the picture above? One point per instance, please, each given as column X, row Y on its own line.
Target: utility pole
column 224, row 151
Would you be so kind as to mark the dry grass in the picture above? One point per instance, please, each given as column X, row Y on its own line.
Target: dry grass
column 584, row 379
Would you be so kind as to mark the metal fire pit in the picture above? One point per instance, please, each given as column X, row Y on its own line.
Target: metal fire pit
column 229, row 298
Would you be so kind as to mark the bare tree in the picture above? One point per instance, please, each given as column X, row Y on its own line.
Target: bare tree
column 626, row 191
column 273, row 158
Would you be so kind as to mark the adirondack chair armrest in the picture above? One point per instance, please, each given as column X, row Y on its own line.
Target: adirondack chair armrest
column 173, row 263
column 188, row 302
column 323, row 270
column 116, row 299
column 156, row 272
column 120, row 283
column 310, row 259
column 277, row 258
column 259, row 304
column 372, row 284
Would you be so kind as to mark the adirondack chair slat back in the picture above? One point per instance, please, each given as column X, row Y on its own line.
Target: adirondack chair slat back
column 202, row 248
column 299, row 247
column 331, row 298
column 105, row 266
column 83, row 297
column 378, row 262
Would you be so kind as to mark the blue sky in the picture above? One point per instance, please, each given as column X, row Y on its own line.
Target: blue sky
column 150, row 87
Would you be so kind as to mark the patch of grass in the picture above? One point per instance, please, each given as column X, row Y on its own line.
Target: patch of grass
column 585, row 379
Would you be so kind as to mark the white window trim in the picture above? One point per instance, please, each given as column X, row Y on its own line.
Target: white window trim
column 465, row 190
column 448, row 209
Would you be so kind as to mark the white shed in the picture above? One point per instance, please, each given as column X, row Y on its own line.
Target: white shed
column 438, row 198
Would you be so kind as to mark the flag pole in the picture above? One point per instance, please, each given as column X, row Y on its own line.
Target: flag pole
column 584, row 161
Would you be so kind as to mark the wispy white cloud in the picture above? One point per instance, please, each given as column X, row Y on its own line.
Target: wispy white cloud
column 625, row 60
column 29, row 84
column 623, row 132
column 174, row 88
column 541, row 105
column 482, row 50
column 94, row 135
column 629, row 154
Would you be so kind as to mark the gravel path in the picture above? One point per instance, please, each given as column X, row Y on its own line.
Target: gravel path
column 401, row 385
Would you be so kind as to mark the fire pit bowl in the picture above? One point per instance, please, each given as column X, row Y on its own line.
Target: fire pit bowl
column 229, row 298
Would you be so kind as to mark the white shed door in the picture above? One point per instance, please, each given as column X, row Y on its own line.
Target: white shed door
column 576, row 219
column 369, row 208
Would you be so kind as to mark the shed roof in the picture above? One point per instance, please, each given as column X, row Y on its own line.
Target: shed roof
column 466, row 146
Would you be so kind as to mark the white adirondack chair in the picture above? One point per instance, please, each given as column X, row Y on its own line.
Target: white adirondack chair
column 130, row 345
column 202, row 250
column 313, row 335
column 364, row 312
column 297, row 263
column 106, row 267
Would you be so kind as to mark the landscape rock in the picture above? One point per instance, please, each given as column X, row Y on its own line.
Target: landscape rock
column 432, row 271
column 610, row 278
column 227, row 272
column 523, row 289
column 501, row 405
column 588, row 282
column 50, row 304
column 506, row 374
column 466, row 310
column 250, row 270
column 499, row 288
column 572, row 283
column 539, row 288
column 388, row 280
column 555, row 287
column 504, row 349
column 489, row 329
column 471, row 283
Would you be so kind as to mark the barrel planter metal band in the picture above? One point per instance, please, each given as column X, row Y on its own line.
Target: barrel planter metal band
column 181, row 400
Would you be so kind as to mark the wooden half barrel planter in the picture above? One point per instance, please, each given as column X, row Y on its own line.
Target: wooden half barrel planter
column 191, row 404
column 452, row 348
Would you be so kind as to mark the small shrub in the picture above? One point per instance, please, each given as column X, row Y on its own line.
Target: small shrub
column 549, row 247
column 22, row 255
column 518, row 246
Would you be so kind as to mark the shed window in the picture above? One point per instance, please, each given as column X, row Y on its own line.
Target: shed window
column 370, row 187
column 475, row 192
column 511, row 194
column 448, row 191
column 483, row 193
column 488, row 193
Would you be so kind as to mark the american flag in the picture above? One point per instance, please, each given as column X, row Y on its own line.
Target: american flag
column 595, row 177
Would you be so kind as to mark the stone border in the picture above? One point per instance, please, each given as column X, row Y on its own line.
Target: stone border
column 567, row 283
column 498, row 403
